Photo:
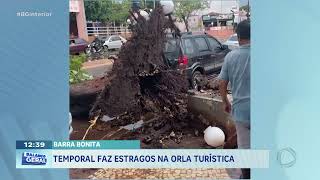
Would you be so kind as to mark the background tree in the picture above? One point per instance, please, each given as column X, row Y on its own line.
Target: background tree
column 97, row 10
column 108, row 11
column 119, row 11
column 184, row 9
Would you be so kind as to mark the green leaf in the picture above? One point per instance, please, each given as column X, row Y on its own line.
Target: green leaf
column 76, row 74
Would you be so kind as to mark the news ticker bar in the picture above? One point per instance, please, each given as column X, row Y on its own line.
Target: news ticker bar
column 79, row 144
column 73, row 154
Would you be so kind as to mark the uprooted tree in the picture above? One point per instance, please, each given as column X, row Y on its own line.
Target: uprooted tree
column 141, row 86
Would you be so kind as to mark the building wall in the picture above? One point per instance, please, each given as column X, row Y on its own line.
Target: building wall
column 77, row 7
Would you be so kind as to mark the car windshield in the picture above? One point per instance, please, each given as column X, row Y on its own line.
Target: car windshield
column 115, row 38
column 233, row 38
column 170, row 46
column 79, row 41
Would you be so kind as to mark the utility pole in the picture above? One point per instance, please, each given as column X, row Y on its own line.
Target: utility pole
column 248, row 13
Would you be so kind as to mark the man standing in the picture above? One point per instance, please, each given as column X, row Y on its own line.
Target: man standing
column 236, row 70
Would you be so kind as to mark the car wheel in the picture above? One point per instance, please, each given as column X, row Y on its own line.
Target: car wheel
column 196, row 78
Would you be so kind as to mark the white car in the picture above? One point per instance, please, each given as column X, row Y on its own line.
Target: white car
column 232, row 42
column 114, row 42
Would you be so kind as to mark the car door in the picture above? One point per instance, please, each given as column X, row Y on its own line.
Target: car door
column 115, row 42
column 110, row 43
column 189, row 50
column 171, row 52
column 81, row 44
column 217, row 53
column 204, row 53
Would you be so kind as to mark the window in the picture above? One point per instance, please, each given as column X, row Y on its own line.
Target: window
column 170, row 46
column 79, row 41
column 233, row 38
column 214, row 44
column 115, row 38
column 202, row 44
column 188, row 47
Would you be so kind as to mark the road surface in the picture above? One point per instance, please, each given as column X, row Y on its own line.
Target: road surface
column 98, row 68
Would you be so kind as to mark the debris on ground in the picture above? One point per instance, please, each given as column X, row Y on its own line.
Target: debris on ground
column 208, row 82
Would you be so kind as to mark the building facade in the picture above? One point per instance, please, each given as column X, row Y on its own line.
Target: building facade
column 77, row 26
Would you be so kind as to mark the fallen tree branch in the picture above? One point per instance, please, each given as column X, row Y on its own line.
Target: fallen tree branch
column 92, row 123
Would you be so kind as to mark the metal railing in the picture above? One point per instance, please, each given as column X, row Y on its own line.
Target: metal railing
column 107, row 30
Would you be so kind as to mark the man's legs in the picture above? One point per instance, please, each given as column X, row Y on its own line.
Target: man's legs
column 243, row 134
column 243, row 141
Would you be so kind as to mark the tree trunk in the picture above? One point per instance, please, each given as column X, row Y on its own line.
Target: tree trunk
column 185, row 20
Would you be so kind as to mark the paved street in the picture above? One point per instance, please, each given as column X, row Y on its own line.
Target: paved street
column 98, row 68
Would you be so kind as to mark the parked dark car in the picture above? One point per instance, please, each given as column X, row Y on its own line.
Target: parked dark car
column 199, row 54
column 77, row 46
